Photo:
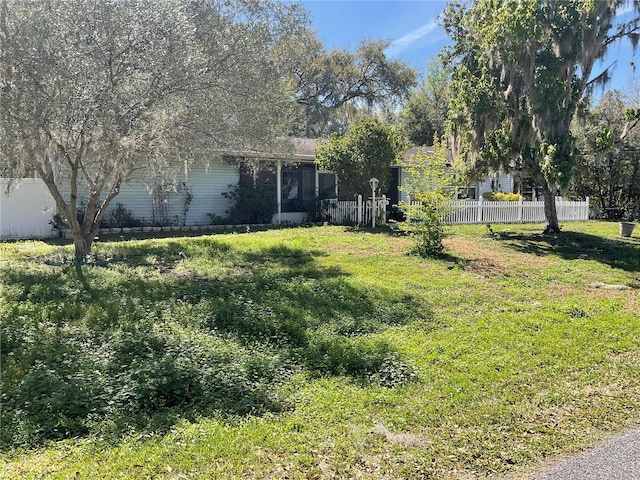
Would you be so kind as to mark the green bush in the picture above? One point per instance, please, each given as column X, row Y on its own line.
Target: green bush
column 427, row 238
column 251, row 203
column 424, row 225
column 122, row 217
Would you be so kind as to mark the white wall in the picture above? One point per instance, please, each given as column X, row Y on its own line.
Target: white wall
column 26, row 210
column 503, row 182
column 206, row 182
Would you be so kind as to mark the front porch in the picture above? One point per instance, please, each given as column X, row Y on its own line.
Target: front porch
column 296, row 186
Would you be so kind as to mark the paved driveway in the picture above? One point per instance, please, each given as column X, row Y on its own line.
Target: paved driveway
column 615, row 459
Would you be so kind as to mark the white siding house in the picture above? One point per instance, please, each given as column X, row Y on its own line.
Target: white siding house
column 152, row 202
column 497, row 182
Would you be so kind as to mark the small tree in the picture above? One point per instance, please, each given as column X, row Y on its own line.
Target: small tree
column 430, row 185
column 368, row 149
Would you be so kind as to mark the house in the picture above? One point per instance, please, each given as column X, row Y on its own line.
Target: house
column 195, row 196
column 497, row 182
column 294, row 178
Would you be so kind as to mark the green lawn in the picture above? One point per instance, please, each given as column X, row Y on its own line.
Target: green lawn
column 317, row 353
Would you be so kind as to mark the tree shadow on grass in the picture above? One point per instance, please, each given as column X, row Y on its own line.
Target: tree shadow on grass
column 620, row 253
column 145, row 347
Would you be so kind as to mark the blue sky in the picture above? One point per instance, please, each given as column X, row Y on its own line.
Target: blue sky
column 410, row 25
column 412, row 28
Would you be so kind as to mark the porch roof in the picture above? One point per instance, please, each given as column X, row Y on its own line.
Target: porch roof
column 295, row 149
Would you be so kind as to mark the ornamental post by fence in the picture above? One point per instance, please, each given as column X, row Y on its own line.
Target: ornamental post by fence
column 359, row 214
column 373, row 182
column 586, row 200
column 383, row 204
column 520, row 208
column 480, row 209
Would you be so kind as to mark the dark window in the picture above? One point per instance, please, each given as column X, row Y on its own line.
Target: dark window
column 327, row 185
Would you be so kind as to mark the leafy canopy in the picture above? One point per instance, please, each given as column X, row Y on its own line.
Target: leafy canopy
column 608, row 168
column 522, row 70
column 93, row 91
column 424, row 114
column 334, row 87
column 367, row 150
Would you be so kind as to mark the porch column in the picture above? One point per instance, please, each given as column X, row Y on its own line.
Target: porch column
column 279, row 189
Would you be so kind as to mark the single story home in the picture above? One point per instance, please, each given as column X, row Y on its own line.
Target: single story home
column 196, row 196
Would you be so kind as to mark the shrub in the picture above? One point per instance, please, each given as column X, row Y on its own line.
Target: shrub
column 251, row 203
column 425, row 227
column 429, row 181
column 501, row 197
column 123, row 217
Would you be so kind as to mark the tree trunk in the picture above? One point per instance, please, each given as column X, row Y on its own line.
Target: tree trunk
column 550, row 213
column 82, row 243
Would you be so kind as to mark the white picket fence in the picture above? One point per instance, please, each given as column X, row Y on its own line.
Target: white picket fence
column 481, row 211
column 462, row 211
column 358, row 212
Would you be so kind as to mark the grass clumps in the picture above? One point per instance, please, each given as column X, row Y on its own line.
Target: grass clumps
column 159, row 337
column 318, row 353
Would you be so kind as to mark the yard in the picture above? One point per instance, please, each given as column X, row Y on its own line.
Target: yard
column 321, row 352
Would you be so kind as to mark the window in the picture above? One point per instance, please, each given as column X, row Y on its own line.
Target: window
column 327, row 185
column 290, row 185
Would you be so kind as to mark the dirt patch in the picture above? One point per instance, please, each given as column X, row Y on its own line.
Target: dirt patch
column 605, row 286
column 405, row 439
column 480, row 257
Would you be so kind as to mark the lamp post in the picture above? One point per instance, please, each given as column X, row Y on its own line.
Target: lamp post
column 374, row 185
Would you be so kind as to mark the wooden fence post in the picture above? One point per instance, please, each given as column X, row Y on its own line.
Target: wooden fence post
column 359, row 209
column 479, row 219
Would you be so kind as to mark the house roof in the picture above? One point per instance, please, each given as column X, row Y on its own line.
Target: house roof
column 305, row 147
column 417, row 150
column 295, row 149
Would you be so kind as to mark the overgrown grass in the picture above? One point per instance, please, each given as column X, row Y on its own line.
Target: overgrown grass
column 317, row 353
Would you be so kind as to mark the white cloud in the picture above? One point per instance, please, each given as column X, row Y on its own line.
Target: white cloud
column 400, row 44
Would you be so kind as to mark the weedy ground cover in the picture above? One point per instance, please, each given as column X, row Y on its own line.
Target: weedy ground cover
column 317, row 353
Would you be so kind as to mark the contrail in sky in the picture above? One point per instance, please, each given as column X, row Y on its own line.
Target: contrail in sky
column 403, row 42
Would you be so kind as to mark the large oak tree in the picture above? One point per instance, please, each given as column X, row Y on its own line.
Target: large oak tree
column 333, row 88
column 522, row 70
